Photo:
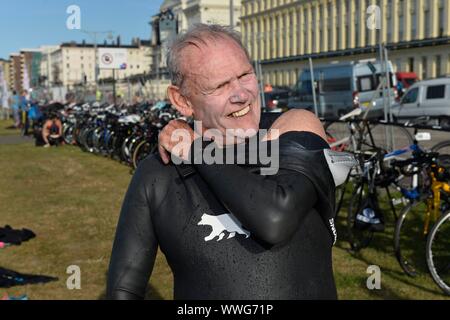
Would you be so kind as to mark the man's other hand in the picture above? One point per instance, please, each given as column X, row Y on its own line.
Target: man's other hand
column 174, row 142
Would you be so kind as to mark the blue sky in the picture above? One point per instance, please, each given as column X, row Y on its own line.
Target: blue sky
column 32, row 23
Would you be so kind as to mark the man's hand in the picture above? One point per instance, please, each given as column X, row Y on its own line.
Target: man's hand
column 174, row 142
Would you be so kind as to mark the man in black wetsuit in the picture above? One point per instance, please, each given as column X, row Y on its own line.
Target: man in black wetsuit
column 227, row 231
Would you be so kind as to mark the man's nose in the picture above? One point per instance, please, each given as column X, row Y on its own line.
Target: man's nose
column 238, row 93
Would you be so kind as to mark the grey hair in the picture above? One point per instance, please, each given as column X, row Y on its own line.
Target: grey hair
column 197, row 34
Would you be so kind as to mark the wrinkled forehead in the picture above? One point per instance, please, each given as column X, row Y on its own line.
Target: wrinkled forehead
column 211, row 58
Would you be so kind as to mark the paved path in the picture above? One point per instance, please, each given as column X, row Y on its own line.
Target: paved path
column 15, row 139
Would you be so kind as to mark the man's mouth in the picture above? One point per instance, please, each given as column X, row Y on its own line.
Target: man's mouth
column 240, row 113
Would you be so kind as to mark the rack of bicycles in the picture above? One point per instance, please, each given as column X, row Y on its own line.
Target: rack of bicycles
column 411, row 183
column 125, row 134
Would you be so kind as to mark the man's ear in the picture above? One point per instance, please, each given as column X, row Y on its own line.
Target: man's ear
column 179, row 101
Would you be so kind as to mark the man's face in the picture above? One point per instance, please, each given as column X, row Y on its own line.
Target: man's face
column 222, row 86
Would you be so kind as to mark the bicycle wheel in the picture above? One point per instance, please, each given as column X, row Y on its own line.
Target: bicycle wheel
column 442, row 147
column 124, row 150
column 438, row 252
column 409, row 243
column 142, row 150
column 89, row 140
column 68, row 134
column 381, row 132
column 358, row 237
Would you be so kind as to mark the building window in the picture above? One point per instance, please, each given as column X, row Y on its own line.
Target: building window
column 338, row 37
column 424, row 67
column 427, row 22
column 398, row 63
column 401, row 20
column 411, row 64
column 338, row 24
column 347, row 23
column 414, row 20
column 258, row 30
column 68, row 65
column 321, row 33
column 367, row 32
column 329, row 26
column 304, row 31
column 438, row 66
column 313, row 29
column 441, row 21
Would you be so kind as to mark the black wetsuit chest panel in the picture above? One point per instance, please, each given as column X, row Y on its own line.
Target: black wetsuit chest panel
column 216, row 259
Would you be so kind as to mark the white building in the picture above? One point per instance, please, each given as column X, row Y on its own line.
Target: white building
column 46, row 64
column 74, row 63
column 284, row 34
column 189, row 12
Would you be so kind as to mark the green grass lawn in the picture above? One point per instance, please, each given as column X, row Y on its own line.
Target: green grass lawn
column 71, row 200
column 4, row 128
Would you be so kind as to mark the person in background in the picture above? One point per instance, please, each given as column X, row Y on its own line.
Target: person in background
column 400, row 89
column 15, row 108
column 34, row 115
column 23, row 106
column 4, row 105
column 52, row 130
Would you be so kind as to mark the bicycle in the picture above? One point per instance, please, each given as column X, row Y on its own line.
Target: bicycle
column 365, row 216
column 381, row 170
column 416, row 218
column 437, row 252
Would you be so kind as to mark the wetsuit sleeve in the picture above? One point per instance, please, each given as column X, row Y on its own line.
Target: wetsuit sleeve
column 135, row 244
column 271, row 207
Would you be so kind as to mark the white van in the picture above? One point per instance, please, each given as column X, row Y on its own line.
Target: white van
column 341, row 87
column 428, row 98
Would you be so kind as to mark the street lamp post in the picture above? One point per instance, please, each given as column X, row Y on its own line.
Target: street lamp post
column 231, row 14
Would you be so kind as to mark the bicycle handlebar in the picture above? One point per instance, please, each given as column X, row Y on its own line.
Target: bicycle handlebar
column 419, row 160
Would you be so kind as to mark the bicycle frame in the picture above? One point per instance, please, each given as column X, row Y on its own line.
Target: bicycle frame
column 434, row 202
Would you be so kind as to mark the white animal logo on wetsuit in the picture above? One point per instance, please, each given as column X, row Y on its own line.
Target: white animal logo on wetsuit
column 222, row 223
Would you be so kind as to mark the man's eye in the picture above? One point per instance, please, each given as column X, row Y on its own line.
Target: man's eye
column 246, row 76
